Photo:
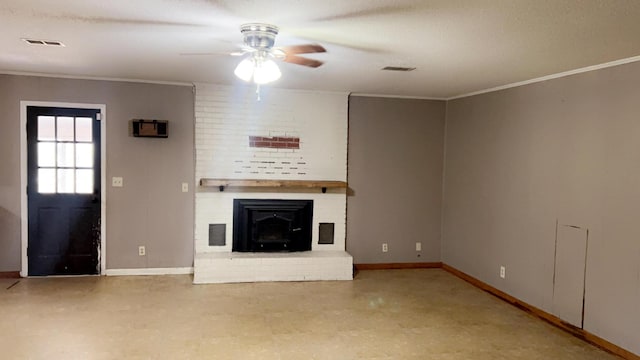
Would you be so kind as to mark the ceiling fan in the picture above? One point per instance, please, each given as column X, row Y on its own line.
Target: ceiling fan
column 259, row 65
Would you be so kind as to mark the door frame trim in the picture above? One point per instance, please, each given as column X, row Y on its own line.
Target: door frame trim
column 24, row 211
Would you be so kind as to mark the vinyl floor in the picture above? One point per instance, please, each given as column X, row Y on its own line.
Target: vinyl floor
column 382, row 314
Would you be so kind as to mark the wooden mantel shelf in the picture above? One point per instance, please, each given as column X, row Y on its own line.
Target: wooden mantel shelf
column 310, row 184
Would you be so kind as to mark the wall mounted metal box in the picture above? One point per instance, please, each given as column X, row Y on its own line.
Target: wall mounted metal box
column 150, row 128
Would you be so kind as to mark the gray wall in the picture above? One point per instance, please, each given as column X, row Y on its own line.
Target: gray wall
column 564, row 150
column 395, row 179
column 150, row 209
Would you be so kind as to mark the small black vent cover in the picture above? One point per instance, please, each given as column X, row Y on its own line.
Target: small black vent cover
column 217, row 234
column 43, row 42
column 398, row 68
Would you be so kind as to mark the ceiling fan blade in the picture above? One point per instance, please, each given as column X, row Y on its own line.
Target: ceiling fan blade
column 299, row 60
column 233, row 53
column 375, row 11
column 302, row 49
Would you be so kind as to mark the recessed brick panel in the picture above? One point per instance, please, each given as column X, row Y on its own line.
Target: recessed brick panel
column 274, row 142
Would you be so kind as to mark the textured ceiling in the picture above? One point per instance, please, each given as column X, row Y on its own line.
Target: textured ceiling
column 458, row 46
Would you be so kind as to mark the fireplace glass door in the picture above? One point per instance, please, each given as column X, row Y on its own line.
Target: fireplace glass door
column 266, row 225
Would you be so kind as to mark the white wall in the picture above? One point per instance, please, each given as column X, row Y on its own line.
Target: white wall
column 396, row 151
column 227, row 116
column 150, row 209
column 520, row 160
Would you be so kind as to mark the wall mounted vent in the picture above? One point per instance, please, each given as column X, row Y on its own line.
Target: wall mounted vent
column 398, row 68
column 43, row 42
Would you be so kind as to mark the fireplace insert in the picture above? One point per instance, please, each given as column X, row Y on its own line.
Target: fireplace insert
column 266, row 225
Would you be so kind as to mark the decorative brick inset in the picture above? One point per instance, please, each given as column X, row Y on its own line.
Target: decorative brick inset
column 274, row 142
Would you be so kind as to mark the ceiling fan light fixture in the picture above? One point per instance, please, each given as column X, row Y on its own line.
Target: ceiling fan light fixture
column 266, row 71
column 259, row 66
column 259, row 35
column 245, row 69
column 260, row 70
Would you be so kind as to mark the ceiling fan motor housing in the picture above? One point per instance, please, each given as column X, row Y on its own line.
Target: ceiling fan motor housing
column 259, row 36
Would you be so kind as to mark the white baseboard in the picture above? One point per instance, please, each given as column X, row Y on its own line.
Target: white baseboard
column 150, row 271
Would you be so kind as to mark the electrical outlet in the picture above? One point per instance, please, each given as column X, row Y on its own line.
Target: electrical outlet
column 117, row 181
column 418, row 246
column 185, row 187
column 503, row 272
column 385, row 248
column 142, row 251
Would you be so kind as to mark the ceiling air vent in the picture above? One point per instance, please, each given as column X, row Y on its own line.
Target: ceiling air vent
column 43, row 42
column 398, row 68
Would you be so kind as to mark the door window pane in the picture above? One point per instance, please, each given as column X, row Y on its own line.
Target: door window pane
column 46, row 181
column 83, row 129
column 65, row 181
column 65, row 128
column 84, row 155
column 47, row 154
column 84, row 181
column 65, row 154
column 46, row 128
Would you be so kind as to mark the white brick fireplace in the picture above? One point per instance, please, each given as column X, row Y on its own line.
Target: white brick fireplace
column 286, row 135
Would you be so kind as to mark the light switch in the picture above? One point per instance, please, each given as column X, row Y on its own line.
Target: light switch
column 185, row 187
column 117, row 181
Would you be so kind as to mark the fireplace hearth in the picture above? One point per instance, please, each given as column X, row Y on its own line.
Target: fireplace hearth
column 269, row 225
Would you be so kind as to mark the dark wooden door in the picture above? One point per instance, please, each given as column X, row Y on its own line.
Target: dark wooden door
column 63, row 191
